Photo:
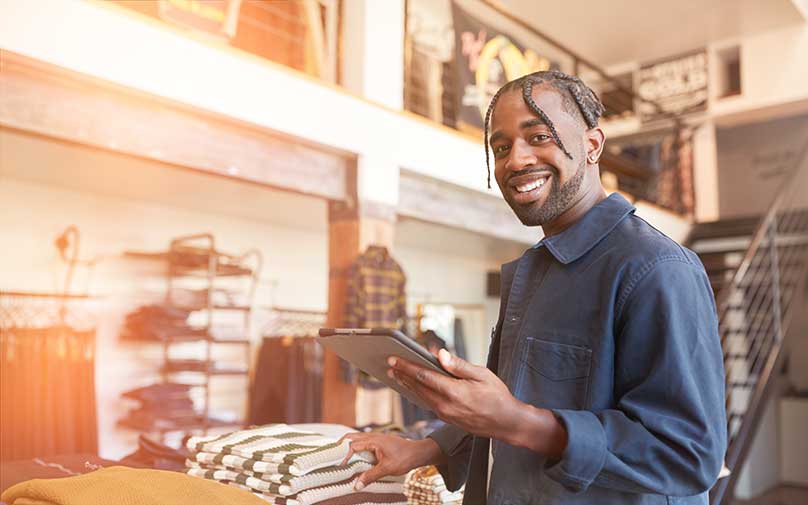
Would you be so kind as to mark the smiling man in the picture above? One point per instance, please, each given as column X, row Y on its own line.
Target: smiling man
column 605, row 381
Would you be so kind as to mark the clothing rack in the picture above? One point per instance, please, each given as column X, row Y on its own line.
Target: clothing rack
column 213, row 286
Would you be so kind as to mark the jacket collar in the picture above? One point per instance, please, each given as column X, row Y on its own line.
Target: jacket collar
column 583, row 235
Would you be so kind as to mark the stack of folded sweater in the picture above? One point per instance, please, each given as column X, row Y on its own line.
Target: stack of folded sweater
column 425, row 486
column 288, row 466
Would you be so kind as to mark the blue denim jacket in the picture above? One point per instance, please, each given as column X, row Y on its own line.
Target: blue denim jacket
column 612, row 326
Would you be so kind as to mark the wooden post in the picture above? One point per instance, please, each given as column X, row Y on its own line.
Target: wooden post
column 352, row 226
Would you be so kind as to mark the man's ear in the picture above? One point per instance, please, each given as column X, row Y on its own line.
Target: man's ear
column 595, row 140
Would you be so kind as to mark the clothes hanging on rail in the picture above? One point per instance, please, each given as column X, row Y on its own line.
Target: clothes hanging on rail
column 47, row 392
column 288, row 382
column 376, row 298
column 376, row 291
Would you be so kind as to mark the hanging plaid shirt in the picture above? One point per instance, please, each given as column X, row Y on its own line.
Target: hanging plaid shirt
column 376, row 296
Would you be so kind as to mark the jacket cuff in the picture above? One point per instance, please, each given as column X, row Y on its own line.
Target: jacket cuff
column 586, row 450
column 456, row 445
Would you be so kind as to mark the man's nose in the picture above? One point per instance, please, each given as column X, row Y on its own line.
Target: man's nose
column 521, row 157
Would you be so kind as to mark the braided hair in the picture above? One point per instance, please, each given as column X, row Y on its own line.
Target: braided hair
column 578, row 100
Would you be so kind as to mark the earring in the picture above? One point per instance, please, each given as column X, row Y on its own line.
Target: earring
column 592, row 159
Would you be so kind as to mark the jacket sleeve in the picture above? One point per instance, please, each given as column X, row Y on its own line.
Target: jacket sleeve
column 456, row 445
column 667, row 431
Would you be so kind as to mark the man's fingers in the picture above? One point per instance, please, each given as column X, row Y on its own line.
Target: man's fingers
column 350, row 437
column 414, row 373
column 372, row 475
column 432, row 398
column 460, row 367
column 358, row 442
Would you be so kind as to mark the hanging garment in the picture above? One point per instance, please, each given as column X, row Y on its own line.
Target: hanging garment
column 47, row 392
column 288, row 382
column 459, row 339
column 376, row 299
column 376, row 291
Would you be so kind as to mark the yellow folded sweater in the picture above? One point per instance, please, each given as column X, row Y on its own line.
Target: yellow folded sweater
column 118, row 485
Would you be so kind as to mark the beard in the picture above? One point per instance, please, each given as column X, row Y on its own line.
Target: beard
column 560, row 199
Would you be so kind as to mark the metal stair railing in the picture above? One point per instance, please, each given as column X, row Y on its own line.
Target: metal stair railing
column 754, row 311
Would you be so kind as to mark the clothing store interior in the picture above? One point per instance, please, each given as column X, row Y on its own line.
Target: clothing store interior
column 190, row 190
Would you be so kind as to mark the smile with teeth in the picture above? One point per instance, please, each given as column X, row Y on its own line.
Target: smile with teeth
column 530, row 186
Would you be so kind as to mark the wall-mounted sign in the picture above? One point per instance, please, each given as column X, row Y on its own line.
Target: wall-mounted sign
column 212, row 17
column 486, row 59
column 678, row 85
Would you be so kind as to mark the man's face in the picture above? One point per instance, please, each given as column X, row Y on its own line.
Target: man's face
column 536, row 178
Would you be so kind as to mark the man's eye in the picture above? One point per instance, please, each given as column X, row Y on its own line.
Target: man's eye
column 501, row 149
column 539, row 137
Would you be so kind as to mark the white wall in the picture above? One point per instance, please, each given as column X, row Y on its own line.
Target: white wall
column 753, row 160
column 794, row 444
column 762, row 468
column 373, row 38
column 705, row 173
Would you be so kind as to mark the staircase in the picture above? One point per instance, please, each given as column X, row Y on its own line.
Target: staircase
column 756, row 265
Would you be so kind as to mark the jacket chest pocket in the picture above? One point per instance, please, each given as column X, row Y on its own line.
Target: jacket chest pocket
column 553, row 375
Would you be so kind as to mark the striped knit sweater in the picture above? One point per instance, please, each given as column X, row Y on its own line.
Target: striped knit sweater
column 280, row 484
column 340, row 489
column 286, row 466
column 425, row 486
column 282, row 449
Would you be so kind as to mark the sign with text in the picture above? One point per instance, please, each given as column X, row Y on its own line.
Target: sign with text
column 678, row 85
column 486, row 59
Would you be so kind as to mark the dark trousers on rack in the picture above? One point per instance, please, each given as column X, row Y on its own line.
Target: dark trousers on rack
column 287, row 387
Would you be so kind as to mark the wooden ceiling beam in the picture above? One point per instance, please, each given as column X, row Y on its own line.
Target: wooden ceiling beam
column 54, row 102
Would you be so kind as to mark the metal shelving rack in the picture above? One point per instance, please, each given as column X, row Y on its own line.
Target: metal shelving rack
column 196, row 259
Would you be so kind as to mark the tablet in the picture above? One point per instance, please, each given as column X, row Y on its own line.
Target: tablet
column 369, row 348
